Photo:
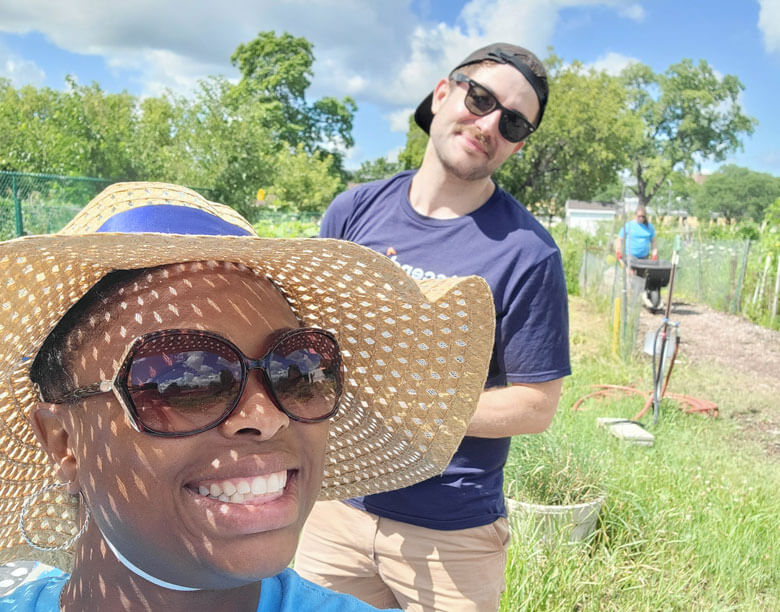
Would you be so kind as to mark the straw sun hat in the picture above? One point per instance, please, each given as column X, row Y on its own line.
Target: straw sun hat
column 415, row 354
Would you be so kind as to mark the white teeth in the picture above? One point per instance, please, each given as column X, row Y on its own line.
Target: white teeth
column 228, row 488
column 259, row 486
column 237, row 491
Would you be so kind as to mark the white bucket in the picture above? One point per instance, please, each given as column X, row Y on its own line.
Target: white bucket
column 575, row 522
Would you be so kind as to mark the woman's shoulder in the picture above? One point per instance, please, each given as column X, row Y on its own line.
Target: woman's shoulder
column 288, row 592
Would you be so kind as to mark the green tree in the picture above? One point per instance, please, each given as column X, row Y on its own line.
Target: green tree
column 226, row 140
column 158, row 150
column 688, row 115
column 276, row 71
column 375, row 170
column 579, row 147
column 30, row 122
column 416, row 140
column 736, row 193
column 81, row 130
column 303, row 182
column 102, row 127
column 224, row 144
column 772, row 216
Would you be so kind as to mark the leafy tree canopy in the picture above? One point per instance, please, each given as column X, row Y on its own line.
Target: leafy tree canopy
column 375, row 169
column 579, row 147
column 688, row 115
column 227, row 139
column 416, row 141
column 276, row 71
column 737, row 194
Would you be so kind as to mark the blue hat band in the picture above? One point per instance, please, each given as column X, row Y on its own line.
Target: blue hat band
column 171, row 219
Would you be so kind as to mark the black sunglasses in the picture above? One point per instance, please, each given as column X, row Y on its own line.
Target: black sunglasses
column 181, row 382
column 481, row 101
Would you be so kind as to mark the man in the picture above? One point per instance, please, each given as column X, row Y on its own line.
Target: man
column 639, row 236
column 442, row 544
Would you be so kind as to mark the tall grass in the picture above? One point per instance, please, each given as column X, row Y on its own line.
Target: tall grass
column 688, row 524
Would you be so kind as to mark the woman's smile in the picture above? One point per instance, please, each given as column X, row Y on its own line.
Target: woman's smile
column 231, row 512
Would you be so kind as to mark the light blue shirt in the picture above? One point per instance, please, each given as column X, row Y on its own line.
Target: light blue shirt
column 639, row 238
column 285, row 592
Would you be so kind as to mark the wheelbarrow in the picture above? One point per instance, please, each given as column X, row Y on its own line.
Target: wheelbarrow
column 656, row 274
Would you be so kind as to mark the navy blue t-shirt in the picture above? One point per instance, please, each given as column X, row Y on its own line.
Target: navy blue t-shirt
column 503, row 243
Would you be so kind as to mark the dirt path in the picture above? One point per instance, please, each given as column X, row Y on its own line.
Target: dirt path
column 747, row 355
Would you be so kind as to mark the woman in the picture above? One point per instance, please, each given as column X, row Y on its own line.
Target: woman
column 172, row 405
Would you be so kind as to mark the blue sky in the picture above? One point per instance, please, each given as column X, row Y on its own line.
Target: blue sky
column 388, row 54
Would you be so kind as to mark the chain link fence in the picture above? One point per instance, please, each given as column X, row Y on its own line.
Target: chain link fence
column 602, row 278
column 44, row 203
column 736, row 276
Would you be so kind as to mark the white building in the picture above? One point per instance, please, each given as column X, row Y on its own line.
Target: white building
column 588, row 215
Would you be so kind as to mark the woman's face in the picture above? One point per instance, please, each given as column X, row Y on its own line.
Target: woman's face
column 156, row 499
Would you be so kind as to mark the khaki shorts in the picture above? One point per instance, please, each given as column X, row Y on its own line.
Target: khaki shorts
column 390, row 564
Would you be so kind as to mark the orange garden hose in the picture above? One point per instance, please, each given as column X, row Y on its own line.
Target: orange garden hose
column 689, row 403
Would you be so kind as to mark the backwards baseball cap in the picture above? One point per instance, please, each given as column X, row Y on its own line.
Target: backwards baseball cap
column 503, row 53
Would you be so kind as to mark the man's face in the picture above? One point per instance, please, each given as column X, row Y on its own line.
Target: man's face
column 471, row 147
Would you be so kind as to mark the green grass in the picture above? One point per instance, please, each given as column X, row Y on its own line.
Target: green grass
column 286, row 228
column 688, row 524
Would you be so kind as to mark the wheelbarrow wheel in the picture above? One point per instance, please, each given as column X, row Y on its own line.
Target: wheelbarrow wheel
column 652, row 299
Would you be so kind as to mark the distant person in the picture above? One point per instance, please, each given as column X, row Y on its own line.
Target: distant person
column 150, row 447
column 639, row 236
column 442, row 544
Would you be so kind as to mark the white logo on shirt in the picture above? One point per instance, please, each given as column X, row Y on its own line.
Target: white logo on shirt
column 415, row 273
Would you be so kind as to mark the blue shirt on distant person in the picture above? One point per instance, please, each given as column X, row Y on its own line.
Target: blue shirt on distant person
column 640, row 237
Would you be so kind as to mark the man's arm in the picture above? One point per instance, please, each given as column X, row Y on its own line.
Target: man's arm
column 619, row 248
column 521, row 408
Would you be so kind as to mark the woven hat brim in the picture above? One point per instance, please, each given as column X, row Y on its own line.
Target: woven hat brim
column 415, row 354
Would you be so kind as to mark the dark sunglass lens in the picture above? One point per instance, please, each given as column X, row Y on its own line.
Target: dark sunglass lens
column 305, row 374
column 480, row 101
column 512, row 127
column 183, row 382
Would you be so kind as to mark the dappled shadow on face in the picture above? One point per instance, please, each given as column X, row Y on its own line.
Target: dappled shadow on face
column 143, row 490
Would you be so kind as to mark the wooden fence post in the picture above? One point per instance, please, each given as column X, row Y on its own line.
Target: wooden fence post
column 758, row 294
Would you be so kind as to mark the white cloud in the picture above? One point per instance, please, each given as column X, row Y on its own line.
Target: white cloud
column 392, row 154
column 21, row 71
column 379, row 52
column 354, row 157
column 373, row 49
column 625, row 8
column 769, row 24
column 18, row 70
column 399, row 120
column 632, row 11
column 613, row 63
column 434, row 50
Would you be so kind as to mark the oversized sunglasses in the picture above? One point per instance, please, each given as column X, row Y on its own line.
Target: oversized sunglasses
column 182, row 382
column 481, row 101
